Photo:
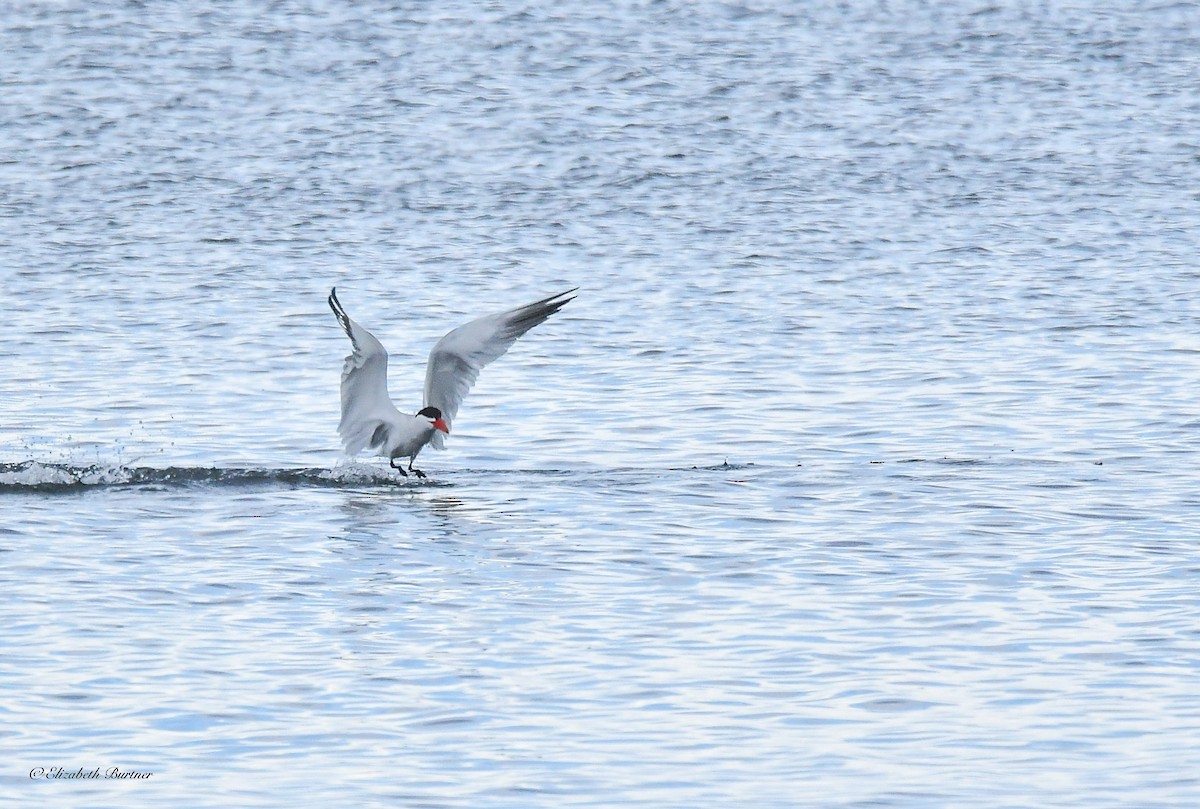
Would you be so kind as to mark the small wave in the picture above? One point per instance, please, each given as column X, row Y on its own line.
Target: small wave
column 49, row 477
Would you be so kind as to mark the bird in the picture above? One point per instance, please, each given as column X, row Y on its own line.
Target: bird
column 370, row 420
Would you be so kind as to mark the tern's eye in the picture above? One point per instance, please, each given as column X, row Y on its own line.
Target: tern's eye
column 430, row 413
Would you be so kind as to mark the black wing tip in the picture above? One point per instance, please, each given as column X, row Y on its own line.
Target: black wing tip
column 340, row 313
column 560, row 300
column 555, row 302
column 530, row 315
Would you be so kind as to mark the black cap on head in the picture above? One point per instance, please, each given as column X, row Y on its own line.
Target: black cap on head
column 430, row 413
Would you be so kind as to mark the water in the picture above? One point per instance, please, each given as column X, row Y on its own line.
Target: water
column 862, row 472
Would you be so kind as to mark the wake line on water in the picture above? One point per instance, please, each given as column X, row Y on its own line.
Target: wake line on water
column 35, row 476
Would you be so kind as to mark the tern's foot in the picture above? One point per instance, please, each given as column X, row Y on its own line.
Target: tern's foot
column 418, row 473
column 399, row 469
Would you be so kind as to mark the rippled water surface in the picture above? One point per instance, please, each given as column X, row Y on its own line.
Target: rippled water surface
column 862, row 471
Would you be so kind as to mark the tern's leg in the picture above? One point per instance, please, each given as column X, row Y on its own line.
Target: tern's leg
column 400, row 469
column 417, row 472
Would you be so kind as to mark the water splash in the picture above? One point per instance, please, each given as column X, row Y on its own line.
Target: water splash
column 50, row 477
column 38, row 476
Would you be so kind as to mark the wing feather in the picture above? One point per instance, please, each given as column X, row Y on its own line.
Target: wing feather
column 366, row 406
column 457, row 359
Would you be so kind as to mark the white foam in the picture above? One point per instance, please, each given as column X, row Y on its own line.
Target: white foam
column 34, row 474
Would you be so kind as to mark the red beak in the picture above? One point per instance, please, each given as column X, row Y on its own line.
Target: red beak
column 441, row 425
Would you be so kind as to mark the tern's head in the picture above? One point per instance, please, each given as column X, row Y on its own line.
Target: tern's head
column 434, row 416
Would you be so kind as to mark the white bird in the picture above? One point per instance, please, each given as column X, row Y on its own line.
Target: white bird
column 370, row 420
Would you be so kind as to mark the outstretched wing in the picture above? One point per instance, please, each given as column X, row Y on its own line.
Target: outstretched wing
column 366, row 405
column 457, row 359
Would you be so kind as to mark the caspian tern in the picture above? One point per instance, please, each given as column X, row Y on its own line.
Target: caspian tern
column 370, row 420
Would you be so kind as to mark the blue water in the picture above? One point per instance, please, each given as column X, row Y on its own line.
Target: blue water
column 862, row 472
